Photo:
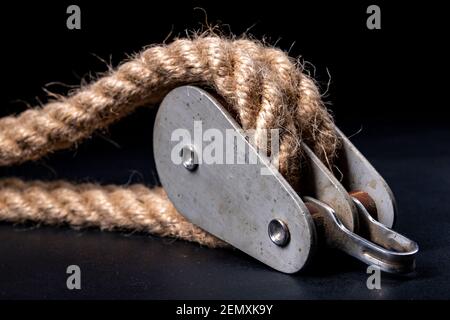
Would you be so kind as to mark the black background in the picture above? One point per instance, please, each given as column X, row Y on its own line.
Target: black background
column 385, row 86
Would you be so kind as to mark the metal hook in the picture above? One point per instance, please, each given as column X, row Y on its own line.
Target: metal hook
column 385, row 248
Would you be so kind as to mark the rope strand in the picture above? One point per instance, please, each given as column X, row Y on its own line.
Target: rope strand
column 261, row 86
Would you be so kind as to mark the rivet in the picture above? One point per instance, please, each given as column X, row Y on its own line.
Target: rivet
column 189, row 157
column 278, row 232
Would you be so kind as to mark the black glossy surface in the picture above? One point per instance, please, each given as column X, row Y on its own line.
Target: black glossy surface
column 118, row 265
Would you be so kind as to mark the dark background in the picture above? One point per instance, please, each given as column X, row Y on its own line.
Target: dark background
column 385, row 86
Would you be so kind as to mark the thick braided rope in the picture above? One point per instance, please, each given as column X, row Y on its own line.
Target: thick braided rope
column 109, row 207
column 261, row 86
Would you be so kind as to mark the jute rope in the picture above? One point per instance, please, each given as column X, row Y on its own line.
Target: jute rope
column 261, row 86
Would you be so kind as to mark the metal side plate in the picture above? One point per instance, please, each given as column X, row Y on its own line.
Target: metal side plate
column 360, row 175
column 234, row 202
column 322, row 185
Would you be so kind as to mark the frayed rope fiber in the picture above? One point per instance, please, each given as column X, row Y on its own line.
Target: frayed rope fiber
column 262, row 88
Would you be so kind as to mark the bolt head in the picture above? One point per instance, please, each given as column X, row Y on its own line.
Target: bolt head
column 189, row 158
column 278, row 232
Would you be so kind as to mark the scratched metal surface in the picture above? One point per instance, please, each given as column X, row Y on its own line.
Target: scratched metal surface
column 229, row 200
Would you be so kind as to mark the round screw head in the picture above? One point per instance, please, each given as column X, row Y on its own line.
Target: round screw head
column 278, row 232
column 189, row 157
